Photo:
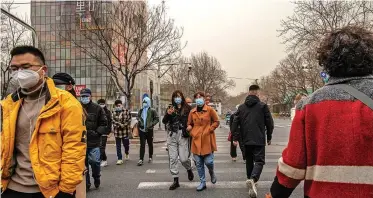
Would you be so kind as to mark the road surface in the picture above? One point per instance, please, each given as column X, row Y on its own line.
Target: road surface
column 153, row 180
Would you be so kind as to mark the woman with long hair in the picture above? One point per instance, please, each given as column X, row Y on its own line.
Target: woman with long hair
column 178, row 138
column 202, row 122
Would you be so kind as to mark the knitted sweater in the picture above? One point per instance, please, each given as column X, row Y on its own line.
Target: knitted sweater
column 330, row 145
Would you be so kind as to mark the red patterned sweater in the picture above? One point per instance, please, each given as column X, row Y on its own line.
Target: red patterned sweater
column 330, row 145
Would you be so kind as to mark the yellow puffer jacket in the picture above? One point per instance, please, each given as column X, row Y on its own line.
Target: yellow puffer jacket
column 58, row 143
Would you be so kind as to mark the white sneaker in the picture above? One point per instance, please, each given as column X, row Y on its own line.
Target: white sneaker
column 119, row 162
column 252, row 188
column 103, row 163
column 127, row 157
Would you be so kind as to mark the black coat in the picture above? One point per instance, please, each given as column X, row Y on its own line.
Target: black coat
column 109, row 120
column 177, row 121
column 255, row 121
column 96, row 124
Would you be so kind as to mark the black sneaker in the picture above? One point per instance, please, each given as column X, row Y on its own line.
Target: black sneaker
column 140, row 163
column 97, row 183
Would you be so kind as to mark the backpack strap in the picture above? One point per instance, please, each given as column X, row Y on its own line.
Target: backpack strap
column 357, row 94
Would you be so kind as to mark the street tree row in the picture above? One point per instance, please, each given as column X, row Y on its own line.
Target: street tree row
column 302, row 32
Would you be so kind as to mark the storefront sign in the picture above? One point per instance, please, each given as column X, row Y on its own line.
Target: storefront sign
column 79, row 88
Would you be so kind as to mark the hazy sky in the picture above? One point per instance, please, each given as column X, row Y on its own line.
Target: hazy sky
column 241, row 34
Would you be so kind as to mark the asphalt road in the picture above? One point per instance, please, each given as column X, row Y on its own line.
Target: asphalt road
column 153, row 180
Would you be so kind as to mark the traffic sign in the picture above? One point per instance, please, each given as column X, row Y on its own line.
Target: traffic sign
column 323, row 74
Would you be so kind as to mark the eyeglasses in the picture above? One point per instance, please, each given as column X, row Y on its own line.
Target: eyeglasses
column 22, row 67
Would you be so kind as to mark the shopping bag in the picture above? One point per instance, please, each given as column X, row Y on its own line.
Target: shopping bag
column 135, row 131
column 230, row 136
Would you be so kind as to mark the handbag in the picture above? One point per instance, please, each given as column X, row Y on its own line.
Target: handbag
column 230, row 136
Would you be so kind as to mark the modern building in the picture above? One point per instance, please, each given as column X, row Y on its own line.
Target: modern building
column 61, row 23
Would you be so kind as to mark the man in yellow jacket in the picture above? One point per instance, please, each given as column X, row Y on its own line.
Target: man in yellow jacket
column 43, row 137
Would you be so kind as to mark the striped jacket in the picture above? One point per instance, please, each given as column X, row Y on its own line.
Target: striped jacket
column 330, row 145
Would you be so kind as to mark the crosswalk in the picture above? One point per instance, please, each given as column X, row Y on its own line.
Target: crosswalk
column 231, row 175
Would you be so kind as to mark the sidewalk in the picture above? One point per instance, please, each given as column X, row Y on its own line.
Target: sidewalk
column 160, row 136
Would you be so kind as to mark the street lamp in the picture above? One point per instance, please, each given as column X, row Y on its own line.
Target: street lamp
column 24, row 24
column 189, row 70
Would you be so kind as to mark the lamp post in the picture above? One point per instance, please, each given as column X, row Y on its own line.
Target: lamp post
column 189, row 70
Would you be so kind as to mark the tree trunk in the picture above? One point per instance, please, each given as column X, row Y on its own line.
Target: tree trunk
column 129, row 101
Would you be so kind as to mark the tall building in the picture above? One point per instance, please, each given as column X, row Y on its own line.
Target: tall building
column 61, row 23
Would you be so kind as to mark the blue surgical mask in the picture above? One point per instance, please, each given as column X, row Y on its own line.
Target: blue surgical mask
column 118, row 109
column 85, row 100
column 200, row 102
column 177, row 100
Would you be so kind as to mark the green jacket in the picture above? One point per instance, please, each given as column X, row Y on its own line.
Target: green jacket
column 152, row 119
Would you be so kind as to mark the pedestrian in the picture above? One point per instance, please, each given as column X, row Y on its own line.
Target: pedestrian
column 148, row 118
column 233, row 148
column 96, row 124
column 122, row 127
column 330, row 145
column 104, row 137
column 65, row 82
column 202, row 123
column 297, row 98
column 178, row 138
column 255, row 122
column 42, row 154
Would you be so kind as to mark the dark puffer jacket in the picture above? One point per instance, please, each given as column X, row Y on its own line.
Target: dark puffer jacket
column 178, row 120
column 255, row 121
column 96, row 124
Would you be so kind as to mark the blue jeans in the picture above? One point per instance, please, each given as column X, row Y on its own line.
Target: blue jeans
column 126, row 145
column 93, row 159
column 202, row 160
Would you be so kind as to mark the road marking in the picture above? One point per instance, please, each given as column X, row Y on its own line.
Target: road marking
column 219, row 171
column 279, row 154
column 219, row 184
column 155, row 161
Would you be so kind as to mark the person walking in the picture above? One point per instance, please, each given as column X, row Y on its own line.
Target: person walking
column 104, row 137
column 96, row 124
column 202, row 122
column 122, row 127
column 148, row 118
column 43, row 136
column 255, row 122
column 233, row 148
column 178, row 138
column 65, row 82
column 331, row 138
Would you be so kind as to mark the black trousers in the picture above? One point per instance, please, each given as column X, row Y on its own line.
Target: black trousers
column 255, row 160
column 233, row 150
column 14, row 194
column 146, row 137
column 103, row 148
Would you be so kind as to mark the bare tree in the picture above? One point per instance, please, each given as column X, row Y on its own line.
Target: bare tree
column 12, row 35
column 206, row 75
column 129, row 37
column 313, row 19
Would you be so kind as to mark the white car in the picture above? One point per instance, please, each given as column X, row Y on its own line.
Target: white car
column 134, row 121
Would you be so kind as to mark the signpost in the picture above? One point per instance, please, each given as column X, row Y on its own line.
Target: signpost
column 324, row 76
column 78, row 88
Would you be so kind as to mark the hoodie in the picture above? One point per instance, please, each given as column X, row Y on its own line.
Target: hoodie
column 255, row 122
column 148, row 116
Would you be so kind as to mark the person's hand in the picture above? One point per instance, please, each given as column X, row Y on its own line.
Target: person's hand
column 269, row 142
column 235, row 143
column 170, row 111
column 189, row 128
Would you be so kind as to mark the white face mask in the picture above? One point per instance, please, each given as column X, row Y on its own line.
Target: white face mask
column 102, row 105
column 26, row 78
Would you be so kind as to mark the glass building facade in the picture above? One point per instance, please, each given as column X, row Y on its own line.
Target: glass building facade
column 59, row 26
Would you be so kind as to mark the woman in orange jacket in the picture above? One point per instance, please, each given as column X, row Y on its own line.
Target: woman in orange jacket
column 202, row 123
